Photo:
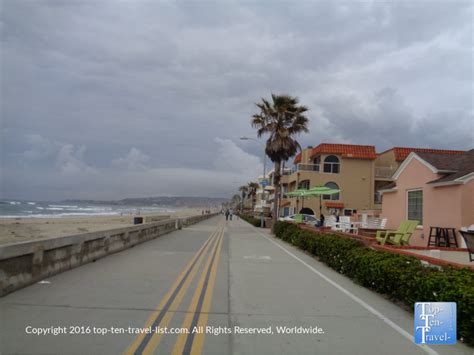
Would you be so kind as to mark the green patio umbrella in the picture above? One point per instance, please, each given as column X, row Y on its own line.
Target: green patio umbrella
column 299, row 193
column 320, row 191
column 315, row 191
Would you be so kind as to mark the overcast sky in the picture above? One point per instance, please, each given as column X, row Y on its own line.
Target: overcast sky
column 106, row 100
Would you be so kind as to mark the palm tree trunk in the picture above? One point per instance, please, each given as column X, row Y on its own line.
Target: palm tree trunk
column 276, row 200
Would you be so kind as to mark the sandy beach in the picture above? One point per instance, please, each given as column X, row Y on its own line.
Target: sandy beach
column 14, row 230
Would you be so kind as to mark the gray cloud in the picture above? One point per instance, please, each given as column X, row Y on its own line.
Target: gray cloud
column 99, row 95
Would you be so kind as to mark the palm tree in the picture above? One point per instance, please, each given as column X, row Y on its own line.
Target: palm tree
column 243, row 190
column 235, row 201
column 252, row 191
column 282, row 119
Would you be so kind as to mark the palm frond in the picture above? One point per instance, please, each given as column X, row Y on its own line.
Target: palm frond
column 282, row 118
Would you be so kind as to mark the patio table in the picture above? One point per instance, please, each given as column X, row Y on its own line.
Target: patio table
column 344, row 225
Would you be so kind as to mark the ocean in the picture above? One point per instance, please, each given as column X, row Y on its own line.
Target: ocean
column 42, row 209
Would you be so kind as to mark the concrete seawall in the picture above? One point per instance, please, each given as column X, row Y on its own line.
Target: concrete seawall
column 22, row 264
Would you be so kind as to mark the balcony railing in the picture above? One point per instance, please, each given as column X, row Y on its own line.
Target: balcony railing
column 384, row 171
column 308, row 167
column 304, row 167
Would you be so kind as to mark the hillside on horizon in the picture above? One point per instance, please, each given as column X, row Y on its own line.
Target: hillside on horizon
column 176, row 201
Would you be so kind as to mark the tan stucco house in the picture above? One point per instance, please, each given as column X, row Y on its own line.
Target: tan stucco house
column 347, row 167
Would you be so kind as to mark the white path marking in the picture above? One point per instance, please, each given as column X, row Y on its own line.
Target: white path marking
column 257, row 257
column 368, row 307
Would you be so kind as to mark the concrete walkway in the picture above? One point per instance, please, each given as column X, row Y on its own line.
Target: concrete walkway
column 226, row 276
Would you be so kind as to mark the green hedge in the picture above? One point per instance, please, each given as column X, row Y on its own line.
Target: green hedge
column 252, row 220
column 403, row 278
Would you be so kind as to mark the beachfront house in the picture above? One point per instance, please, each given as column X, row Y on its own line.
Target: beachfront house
column 262, row 196
column 356, row 170
column 436, row 188
column 347, row 167
column 390, row 160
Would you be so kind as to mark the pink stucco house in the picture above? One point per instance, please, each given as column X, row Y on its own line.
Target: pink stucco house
column 437, row 189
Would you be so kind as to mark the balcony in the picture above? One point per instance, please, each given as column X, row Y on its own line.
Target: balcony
column 289, row 175
column 384, row 172
column 308, row 167
column 302, row 167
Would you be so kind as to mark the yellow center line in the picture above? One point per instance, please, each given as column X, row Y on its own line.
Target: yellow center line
column 204, row 315
column 193, row 343
column 188, row 272
column 155, row 339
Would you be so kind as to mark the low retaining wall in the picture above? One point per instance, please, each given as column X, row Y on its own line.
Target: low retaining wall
column 368, row 241
column 25, row 263
column 149, row 219
column 427, row 258
column 372, row 243
column 196, row 219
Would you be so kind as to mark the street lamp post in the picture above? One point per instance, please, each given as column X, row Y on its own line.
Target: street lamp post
column 245, row 138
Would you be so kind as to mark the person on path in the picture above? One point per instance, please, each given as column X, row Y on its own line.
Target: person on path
column 321, row 221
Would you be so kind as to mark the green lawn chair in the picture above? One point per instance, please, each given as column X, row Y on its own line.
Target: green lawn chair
column 299, row 218
column 399, row 237
column 405, row 239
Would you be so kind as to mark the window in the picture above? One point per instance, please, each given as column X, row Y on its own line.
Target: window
column 304, row 184
column 316, row 164
column 335, row 197
column 331, row 164
column 415, row 205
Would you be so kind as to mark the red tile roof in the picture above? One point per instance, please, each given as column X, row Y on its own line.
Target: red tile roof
column 297, row 159
column 346, row 150
column 401, row 153
column 334, row 204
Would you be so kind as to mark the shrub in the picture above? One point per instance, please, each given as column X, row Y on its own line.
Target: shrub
column 282, row 226
column 251, row 219
column 401, row 277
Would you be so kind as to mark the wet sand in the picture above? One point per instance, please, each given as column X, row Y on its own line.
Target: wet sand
column 23, row 229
